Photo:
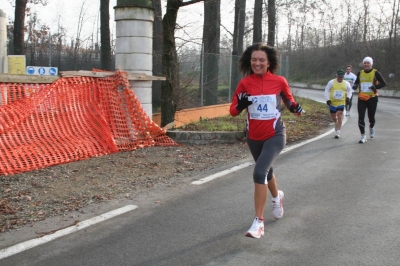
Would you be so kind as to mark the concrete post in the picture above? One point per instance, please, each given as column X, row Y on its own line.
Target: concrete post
column 134, row 45
column 3, row 42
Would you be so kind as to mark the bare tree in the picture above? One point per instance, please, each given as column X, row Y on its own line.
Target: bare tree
column 237, row 45
column 366, row 20
column 19, row 23
column 271, row 22
column 77, row 44
column 392, row 58
column 257, row 21
column 105, row 48
column 211, row 39
column 157, row 51
column 170, row 60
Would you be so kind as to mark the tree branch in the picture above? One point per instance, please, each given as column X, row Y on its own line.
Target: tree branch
column 191, row 2
column 227, row 30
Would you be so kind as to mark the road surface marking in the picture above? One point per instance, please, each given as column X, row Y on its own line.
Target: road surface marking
column 222, row 173
column 244, row 165
column 4, row 253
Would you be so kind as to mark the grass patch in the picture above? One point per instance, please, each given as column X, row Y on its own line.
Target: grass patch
column 317, row 118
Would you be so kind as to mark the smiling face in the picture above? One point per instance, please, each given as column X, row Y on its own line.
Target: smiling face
column 367, row 65
column 259, row 62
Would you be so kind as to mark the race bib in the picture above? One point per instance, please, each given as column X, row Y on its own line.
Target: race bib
column 349, row 80
column 365, row 86
column 338, row 95
column 263, row 107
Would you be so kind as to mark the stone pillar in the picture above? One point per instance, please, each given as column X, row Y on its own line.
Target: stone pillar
column 3, row 42
column 134, row 45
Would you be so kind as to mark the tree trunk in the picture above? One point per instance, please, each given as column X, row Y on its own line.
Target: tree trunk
column 257, row 21
column 237, row 47
column 366, row 7
column 271, row 22
column 19, row 25
column 105, row 49
column 211, row 39
column 170, row 66
column 169, row 63
column 157, row 52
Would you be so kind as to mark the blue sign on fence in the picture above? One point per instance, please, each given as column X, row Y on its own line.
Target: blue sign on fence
column 53, row 71
column 30, row 70
column 42, row 71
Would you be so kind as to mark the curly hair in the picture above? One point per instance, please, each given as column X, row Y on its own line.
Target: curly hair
column 245, row 59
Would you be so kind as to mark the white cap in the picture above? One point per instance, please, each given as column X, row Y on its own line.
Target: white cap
column 368, row 59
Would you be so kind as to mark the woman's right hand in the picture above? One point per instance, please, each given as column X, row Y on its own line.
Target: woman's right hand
column 243, row 101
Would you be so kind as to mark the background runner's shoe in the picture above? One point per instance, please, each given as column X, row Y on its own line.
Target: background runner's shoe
column 257, row 229
column 363, row 139
column 277, row 210
column 337, row 134
column 372, row 132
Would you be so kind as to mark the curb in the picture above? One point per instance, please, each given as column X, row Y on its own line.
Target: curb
column 205, row 137
column 382, row 92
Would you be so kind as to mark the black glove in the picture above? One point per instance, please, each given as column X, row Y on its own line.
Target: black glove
column 354, row 87
column 373, row 89
column 328, row 102
column 296, row 109
column 347, row 101
column 243, row 101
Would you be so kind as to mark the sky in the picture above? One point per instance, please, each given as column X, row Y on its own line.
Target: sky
column 66, row 13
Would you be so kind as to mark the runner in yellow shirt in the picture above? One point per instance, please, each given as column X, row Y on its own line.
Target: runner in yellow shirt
column 369, row 80
column 337, row 93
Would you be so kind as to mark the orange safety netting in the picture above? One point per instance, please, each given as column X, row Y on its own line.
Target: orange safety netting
column 70, row 120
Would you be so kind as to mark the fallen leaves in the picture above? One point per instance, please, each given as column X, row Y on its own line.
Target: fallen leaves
column 5, row 208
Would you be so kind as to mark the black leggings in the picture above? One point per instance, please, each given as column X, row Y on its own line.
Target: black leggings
column 371, row 105
column 264, row 153
column 348, row 106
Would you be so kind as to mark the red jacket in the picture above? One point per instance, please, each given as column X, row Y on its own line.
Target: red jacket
column 264, row 114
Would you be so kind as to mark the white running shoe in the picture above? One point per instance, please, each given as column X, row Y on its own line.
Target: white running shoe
column 257, row 229
column 277, row 210
column 372, row 132
column 337, row 134
column 363, row 139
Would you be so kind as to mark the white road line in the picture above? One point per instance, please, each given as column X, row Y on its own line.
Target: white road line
column 4, row 253
column 307, row 141
column 222, row 173
column 243, row 165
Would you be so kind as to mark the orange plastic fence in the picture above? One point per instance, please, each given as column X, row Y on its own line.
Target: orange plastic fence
column 70, row 120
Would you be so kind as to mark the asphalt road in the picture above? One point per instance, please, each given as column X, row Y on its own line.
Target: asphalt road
column 342, row 207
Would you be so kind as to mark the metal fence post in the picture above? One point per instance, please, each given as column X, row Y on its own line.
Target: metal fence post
column 230, row 75
column 202, row 75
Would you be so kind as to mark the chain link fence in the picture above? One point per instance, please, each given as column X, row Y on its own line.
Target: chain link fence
column 212, row 79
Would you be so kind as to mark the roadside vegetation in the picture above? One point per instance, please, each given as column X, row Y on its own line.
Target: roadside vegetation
column 315, row 119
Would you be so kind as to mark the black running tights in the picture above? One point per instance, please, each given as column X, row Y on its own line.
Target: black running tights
column 369, row 105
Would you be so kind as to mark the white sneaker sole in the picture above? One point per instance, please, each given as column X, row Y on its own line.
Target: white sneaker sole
column 282, row 196
column 255, row 235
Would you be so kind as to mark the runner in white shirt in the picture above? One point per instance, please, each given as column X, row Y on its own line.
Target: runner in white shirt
column 350, row 78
